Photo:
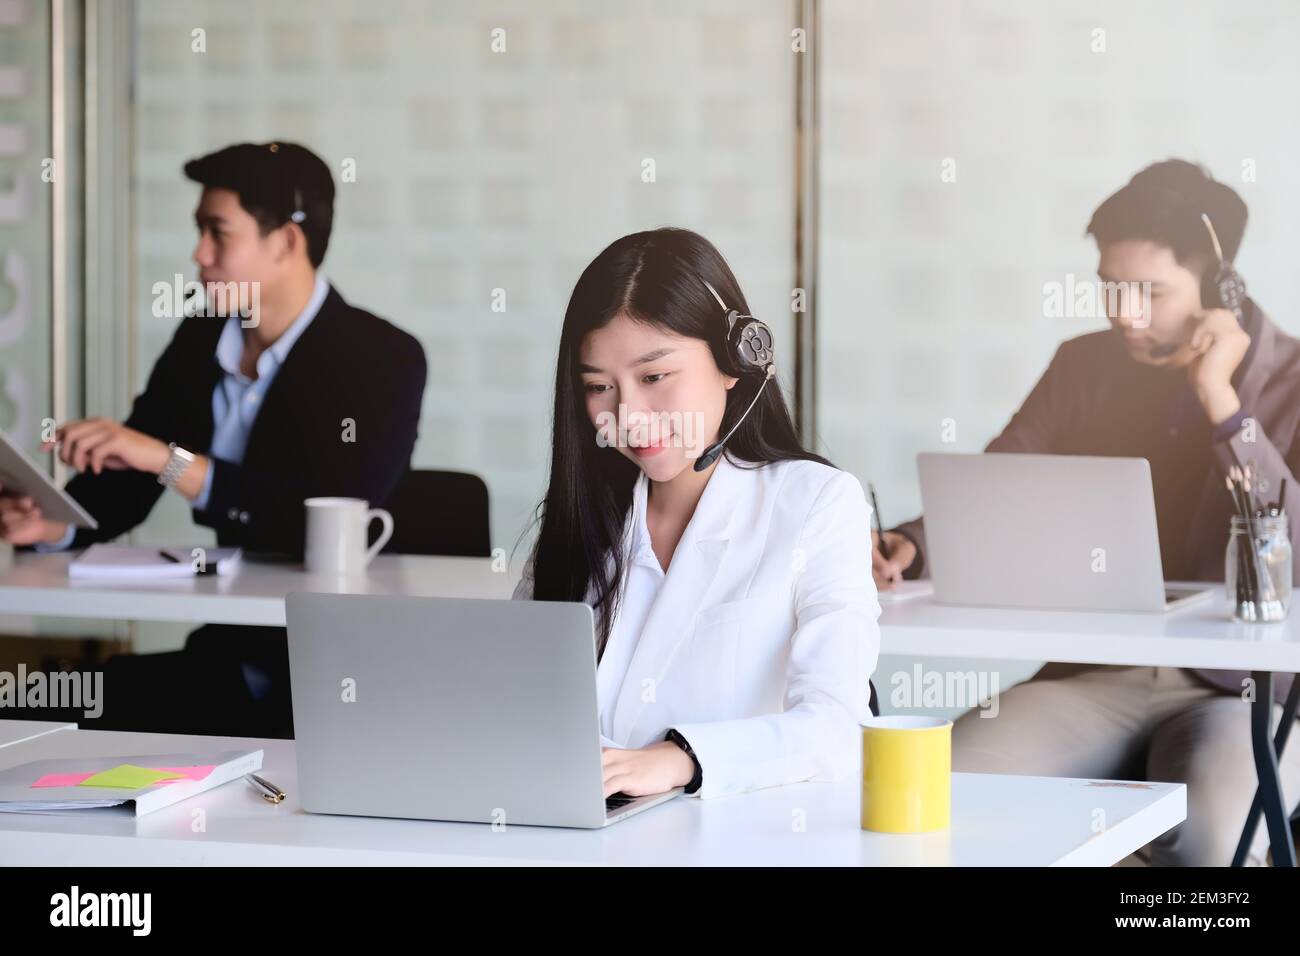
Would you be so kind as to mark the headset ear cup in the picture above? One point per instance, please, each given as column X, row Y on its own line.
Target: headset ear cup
column 1224, row 288
column 749, row 341
column 752, row 343
column 1231, row 290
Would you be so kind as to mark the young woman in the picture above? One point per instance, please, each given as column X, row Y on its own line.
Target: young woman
column 735, row 610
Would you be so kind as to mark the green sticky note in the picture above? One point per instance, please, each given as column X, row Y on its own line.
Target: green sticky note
column 128, row 777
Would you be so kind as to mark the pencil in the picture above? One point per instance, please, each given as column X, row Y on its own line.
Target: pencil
column 1246, row 567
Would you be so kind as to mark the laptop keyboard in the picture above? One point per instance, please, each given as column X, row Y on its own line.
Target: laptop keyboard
column 617, row 801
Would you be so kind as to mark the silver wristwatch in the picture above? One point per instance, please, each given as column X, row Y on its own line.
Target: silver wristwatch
column 176, row 465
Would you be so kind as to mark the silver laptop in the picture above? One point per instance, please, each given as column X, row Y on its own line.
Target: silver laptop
column 449, row 709
column 1045, row 531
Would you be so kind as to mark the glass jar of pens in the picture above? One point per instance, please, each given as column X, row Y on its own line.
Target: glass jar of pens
column 1257, row 569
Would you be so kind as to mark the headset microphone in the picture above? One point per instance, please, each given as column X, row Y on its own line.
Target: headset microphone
column 751, row 343
column 711, row 455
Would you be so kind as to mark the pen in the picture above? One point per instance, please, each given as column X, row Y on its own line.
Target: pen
column 207, row 568
column 269, row 791
column 875, row 516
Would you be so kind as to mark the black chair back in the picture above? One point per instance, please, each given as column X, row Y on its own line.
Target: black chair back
column 439, row 512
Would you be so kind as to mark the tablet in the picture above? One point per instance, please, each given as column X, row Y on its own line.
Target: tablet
column 20, row 474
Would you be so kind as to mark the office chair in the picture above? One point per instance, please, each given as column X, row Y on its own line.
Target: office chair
column 439, row 513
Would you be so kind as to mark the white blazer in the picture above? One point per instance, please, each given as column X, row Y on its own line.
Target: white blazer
column 762, row 640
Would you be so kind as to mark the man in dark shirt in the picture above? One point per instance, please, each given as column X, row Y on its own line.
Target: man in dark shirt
column 1195, row 390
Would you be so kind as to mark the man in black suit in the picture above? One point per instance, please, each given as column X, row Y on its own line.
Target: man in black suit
column 287, row 393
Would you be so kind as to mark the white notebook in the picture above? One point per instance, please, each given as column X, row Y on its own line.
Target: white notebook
column 123, row 562
column 18, row 795
column 906, row 591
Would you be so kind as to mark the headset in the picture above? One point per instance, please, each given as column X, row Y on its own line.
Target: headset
column 1221, row 287
column 299, row 215
column 751, row 344
column 1224, row 287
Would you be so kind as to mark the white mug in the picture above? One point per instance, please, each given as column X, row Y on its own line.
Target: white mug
column 336, row 534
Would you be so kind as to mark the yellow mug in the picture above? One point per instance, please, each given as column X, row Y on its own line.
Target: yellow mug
column 906, row 774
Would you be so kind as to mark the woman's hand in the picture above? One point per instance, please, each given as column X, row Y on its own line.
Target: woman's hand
column 653, row 769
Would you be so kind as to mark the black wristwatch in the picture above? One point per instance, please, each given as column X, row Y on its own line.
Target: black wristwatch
column 698, row 777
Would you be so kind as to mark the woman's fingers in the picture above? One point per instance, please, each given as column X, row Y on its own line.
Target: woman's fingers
column 619, row 782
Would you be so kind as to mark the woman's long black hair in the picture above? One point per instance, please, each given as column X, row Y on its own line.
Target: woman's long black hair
column 652, row 277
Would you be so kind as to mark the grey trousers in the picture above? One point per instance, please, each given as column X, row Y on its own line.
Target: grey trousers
column 1135, row 723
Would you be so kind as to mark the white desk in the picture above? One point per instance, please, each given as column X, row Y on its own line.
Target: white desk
column 1198, row 636
column 997, row 820
column 38, row 584
column 16, row 731
column 1202, row 635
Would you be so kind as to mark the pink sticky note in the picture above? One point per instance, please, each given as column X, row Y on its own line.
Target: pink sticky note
column 186, row 773
column 72, row 779
column 63, row 779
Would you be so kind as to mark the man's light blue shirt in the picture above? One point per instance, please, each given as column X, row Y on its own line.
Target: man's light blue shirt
column 237, row 398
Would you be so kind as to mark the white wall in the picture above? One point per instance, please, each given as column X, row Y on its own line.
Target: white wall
column 479, row 170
